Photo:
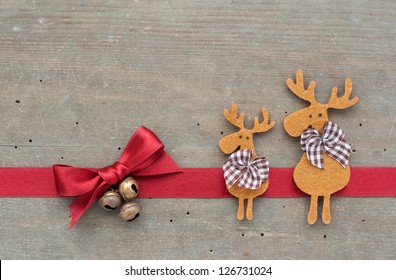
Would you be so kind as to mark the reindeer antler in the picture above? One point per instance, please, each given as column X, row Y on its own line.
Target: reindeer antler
column 344, row 101
column 264, row 125
column 232, row 116
column 298, row 88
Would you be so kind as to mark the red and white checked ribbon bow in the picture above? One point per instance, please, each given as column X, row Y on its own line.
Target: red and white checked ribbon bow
column 247, row 172
column 331, row 141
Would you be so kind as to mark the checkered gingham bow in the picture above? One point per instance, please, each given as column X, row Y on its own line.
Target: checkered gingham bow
column 247, row 172
column 331, row 141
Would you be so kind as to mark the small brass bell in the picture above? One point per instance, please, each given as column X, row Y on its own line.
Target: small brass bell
column 130, row 211
column 128, row 188
column 110, row 200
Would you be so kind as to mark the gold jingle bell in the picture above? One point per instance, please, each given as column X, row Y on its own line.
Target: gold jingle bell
column 110, row 200
column 128, row 188
column 130, row 211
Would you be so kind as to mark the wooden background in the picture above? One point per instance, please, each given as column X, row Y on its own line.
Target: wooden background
column 78, row 77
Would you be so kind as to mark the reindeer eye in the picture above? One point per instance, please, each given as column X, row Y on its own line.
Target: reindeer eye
column 247, row 137
column 320, row 115
column 240, row 136
column 310, row 116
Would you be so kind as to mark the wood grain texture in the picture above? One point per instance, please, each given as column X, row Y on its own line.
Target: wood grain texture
column 78, row 77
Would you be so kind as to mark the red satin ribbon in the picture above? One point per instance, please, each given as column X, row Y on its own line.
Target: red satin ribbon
column 200, row 183
column 144, row 156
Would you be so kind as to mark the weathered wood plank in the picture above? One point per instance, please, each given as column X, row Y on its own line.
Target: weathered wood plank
column 77, row 78
column 361, row 229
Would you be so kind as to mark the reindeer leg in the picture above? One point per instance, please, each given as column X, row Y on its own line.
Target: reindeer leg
column 326, row 216
column 249, row 209
column 313, row 210
column 241, row 209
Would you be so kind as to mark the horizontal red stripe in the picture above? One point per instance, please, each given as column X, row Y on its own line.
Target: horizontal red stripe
column 199, row 183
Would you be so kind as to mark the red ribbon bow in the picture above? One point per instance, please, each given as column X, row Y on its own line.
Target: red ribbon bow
column 143, row 156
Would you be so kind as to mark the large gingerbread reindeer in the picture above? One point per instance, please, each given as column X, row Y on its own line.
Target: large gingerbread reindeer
column 243, row 141
column 323, row 168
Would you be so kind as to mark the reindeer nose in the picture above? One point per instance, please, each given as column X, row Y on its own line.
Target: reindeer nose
column 229, row 144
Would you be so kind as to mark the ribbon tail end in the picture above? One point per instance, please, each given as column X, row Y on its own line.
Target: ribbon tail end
column 73, row 219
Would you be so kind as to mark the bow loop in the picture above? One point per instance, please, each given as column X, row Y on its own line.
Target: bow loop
column 144, row 155
column 113, row 174
column 331, row 142
column 332, row 135
column 312, row 138
column 249, row 173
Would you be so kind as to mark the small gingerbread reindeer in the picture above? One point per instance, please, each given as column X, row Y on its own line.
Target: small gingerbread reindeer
column 323, row 168
column 246, row 175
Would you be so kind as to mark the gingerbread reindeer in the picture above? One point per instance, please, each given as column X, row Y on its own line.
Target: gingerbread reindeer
column 246, row 175
column 323, row 168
